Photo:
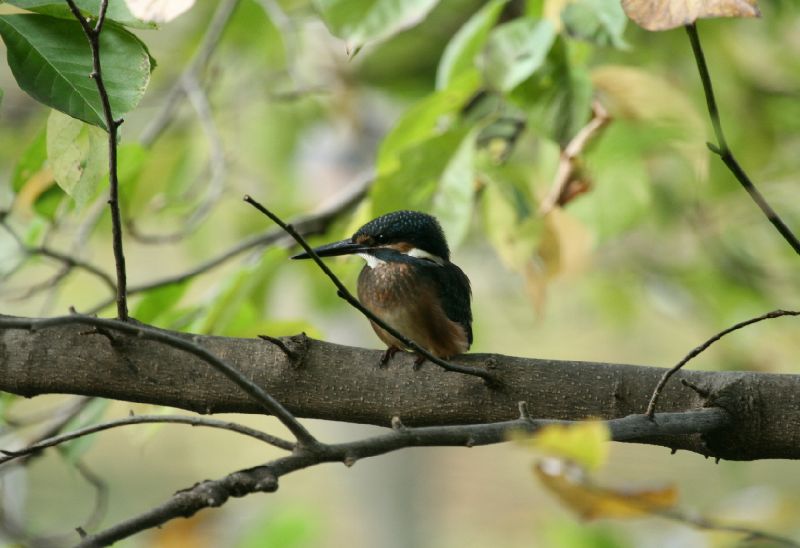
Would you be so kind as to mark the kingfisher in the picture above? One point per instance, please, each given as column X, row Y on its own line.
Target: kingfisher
column 409, row 282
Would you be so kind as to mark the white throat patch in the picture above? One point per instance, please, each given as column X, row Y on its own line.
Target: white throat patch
column 422, row 254
column 375, row 262
column 372, row 260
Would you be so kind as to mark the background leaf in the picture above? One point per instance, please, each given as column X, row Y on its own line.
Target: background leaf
column 590, row 501
column 117, row 11
column 669, row 14
column 360, row 21
column 585, row 443
column 158, row 11
column 51, row 61
column 459, row 55
column 600, row 22
column 515, row 50
column 453, row 201
column 77, row 156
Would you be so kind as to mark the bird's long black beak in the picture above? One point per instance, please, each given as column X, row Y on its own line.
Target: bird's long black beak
column 344, row 247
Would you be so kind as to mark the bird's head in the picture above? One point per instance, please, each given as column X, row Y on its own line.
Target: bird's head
column 409, row 233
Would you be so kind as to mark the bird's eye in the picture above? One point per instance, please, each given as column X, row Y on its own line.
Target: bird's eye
column 380, row 238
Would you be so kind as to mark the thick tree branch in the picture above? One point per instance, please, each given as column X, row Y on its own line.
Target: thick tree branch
column 264, row 478
column 721, row 148
column 184, row 344
column 342, row 383
column 112, row 125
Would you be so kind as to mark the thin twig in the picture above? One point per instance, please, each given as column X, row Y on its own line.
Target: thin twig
column 269, row 403
column 216, row 180
column 68, row 261
column 710, row 525
column 10, row 455
column 101, row 495
column 651, row 407
column 568, row 160
column 216, row 27
column 112, row 125
column 347, row 296
column 721, row 148
column 264, row 478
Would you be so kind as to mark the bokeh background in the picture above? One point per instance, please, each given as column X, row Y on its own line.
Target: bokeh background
column 664, row 250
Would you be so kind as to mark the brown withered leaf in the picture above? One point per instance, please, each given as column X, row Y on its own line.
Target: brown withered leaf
column 571, row 484
column 669, row 14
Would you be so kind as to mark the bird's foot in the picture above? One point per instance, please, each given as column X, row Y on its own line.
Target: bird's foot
column 387, row 355
column 418, row 361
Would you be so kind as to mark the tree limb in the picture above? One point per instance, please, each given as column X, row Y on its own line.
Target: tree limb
column 342, row 383
column 10, row 455
column 264, row 478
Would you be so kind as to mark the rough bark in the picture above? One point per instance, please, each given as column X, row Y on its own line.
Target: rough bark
column 330, row 381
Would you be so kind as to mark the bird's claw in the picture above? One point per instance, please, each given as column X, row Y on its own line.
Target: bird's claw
column 387, row 355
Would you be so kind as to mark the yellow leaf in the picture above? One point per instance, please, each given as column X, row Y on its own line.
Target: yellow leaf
column 668, row 14
column 565, row 245
column 589, row 501
column 584, row 443
column 34, row 187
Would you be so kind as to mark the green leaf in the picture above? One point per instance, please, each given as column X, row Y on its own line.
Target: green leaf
column 159, row 301
column 239, row 296
column 515, row 51
column 117, row 10
column 600, row 22
column 30, row 161
column 459, row 55
column 424, row 120
column 509, row 224
column 453, row 201
column 414, row 182
column 51, row 61
column 558, row 98
column 361, row 21
column 286, row 527
column 77, row 156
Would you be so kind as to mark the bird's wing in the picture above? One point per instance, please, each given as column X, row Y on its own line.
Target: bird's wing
column 456, row 295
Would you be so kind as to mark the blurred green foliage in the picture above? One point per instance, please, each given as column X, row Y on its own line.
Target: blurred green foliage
column 462, row 108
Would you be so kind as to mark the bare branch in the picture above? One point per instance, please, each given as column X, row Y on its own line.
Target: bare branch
column 568, row 160
column 721, row 148
column 112, row 125
column 10, row 455
column 69, row 262
column 707, row 524
column 651, row 407
column 347, row 296
column 212, row 493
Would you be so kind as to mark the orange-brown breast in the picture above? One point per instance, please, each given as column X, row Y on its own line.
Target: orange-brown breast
column 410, row 304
